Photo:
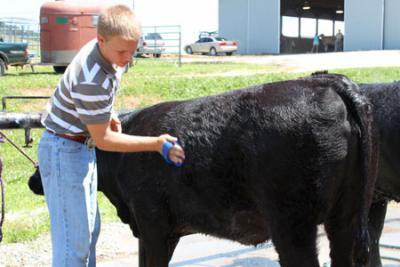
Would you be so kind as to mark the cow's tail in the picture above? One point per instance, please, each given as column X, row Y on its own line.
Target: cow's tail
column 360, row 110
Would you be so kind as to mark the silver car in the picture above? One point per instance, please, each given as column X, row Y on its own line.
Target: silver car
column 212, row 46
column 151, row 44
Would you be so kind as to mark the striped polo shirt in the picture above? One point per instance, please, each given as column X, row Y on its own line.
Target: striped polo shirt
column 85, row 93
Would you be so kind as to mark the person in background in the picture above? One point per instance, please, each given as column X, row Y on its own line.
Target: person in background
column 315, row 44
column 339, row 41
column 80, row 117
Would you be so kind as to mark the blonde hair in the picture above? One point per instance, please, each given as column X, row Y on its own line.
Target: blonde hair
column 119, row 20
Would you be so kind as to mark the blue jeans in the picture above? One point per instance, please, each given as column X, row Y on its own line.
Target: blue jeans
column 69, row 177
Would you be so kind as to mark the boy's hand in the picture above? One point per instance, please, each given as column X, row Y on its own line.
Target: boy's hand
column 176, row 153
column 115, row 124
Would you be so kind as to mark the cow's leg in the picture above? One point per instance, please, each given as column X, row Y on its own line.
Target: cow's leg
column 153, row 252
column 295, row 242
column 142, row 254
column 172, row 243
column 340, row 243
column 348, row 235
column 153, row 231
column 376, row 221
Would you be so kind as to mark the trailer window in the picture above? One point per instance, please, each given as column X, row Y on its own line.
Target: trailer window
column 95, row 19
column 44, row 20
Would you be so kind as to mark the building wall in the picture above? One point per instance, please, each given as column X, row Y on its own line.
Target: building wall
column 363, row 25
column 372, row 25
column 255, row 24
column 392, row 30
column 232, row 22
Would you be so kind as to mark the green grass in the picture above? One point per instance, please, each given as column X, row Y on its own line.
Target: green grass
column 147, row 82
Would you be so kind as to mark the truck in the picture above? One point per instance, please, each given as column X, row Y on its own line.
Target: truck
column 13, row 54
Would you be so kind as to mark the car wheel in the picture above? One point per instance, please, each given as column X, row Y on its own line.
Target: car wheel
column 157, row 55
column 2, row 67
column 229, row 53
column 189, row 50
column 213, row 51
column 59, row 69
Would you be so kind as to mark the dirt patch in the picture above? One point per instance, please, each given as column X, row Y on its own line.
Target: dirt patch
column 122, row 102
column 37, row 253
column 39, row 92
column 132, row 102
column 31, row 105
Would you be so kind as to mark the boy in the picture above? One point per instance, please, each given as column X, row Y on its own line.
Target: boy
column 80, row 111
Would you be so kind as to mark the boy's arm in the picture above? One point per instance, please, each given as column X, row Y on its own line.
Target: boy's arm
column 107, row 139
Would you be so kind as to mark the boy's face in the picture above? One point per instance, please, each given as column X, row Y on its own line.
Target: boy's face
column 116, row 50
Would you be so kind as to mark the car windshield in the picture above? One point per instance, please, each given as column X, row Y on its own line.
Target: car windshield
column 221, row 39
column 153, row 36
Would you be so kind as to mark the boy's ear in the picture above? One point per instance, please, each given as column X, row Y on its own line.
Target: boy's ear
column 101, row 39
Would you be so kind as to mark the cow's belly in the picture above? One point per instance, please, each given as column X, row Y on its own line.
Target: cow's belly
column 248, row 228
column 244, row 226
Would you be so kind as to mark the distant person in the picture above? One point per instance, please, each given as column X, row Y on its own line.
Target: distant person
column 1, row 39
column 315, row 43
column 339, row 41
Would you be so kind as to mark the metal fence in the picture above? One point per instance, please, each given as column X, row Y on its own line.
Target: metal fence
column 25, row 30
column 21, row 30
column 170, row 42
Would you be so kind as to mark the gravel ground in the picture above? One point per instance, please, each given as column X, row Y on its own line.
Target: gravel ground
column 118, row 248
column 312, row 62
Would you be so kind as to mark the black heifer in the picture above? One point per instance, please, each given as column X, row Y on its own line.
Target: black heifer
column 267, row 162
column 386, row 101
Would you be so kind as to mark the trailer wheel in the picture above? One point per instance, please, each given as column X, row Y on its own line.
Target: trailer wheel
column 59, row 69
column 2, row 67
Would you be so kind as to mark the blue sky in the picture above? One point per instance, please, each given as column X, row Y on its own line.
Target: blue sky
column 192, row 15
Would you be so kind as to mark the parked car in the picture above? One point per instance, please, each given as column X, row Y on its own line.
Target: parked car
column 212, row 45
column 12, row 54
column 151, row 44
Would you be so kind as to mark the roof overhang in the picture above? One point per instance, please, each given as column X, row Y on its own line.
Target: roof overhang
column 322, row 9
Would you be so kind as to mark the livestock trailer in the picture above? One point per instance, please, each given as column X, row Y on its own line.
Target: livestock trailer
column 64, row 28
